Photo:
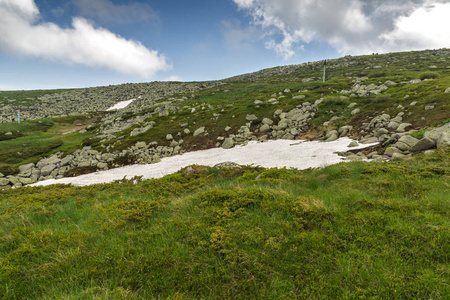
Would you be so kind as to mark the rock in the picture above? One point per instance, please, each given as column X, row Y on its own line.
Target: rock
column 186, row 131
column 46, row 170
column 447, row 90
column 415, row 81
column 140, row 145
column 398, row 157
column 9, row 133
column 228, row 143
column 423, row 144
column 413, row 103
column 24, row 180
column 257, row 102
column 199, row 131
column 264, row 128
column 251, row 118
column 391, row 150
column 353, row 144
column 169, row 137
column 355, row 111
column 228, row 128
column 66, row 160
column 429, row 107
column 402, row 127
column 299, row 97
column 444, row 140
column 344, row 130
column 25, row 170
column 393, row 125
column 4, row 181
column 331, row 135
column 267, row 121
column 352, row 105
column 406, row 142
column 429, row 152
column 102, row 165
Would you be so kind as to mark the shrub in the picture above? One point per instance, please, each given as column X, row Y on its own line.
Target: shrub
column 382, row 98
column 428, row 75
column 335, row 100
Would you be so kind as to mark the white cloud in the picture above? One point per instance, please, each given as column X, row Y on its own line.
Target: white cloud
column 106, row 11
column 21, row 33
column 426, row 27
column 351, row 26
column 239, row 38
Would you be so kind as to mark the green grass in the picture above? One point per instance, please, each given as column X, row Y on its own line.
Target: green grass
column 206, row 233
column 31, row 140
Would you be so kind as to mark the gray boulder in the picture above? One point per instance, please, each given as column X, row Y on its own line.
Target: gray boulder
column 331, row 135
column 267, row 121
column 444, row 140
column 264, row 128
column 406, row 142
column 228, row 143
column 25, row 170
column 402, row 127
column 398, row 157
column 423, row 144
column 199, row 131
column 251, row 118
column 391, row 150
column 46, row 170
column 4, row 181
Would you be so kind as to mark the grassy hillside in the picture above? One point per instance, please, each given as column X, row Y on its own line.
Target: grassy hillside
column 355, row 230
column 352, row 230
column 217, row 105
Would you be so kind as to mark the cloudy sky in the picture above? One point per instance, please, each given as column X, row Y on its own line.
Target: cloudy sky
column 80, row 43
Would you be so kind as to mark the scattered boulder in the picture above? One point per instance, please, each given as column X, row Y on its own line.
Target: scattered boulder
column 228, row 143
column 423, row 144
column 251, row 118
column 406, row 142
column 199, row 131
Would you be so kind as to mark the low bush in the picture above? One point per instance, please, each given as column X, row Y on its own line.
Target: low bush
column 428, row 75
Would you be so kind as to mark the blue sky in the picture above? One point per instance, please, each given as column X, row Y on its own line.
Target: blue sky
column 79, row 43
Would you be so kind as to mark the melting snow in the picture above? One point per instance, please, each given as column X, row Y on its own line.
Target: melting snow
column 121, row 104
column 271, row 154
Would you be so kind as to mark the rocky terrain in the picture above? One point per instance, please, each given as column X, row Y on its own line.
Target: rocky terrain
column 399, row 100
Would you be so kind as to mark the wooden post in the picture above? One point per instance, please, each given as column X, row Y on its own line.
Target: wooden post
column 324, row 69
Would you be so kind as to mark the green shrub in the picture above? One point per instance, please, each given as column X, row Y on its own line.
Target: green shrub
column 335, row 100
column 428, row 75
column 382, row 98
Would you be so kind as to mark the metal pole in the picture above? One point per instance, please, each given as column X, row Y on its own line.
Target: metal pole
column 324, row 69
column 18, row 115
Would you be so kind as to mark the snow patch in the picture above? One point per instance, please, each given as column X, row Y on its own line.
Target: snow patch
column 271, row 154
column 121, row 104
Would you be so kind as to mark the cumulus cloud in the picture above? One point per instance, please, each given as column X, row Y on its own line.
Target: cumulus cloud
column 237, row 37
column 351, row 26
column 22, row 32
column 106, row 11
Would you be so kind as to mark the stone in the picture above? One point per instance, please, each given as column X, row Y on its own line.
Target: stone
column 9, row 133
column 24, row 180
column 413, row 103
column 402, row 127
column 447, row 90
column 186, row 131
column 429, row 152
column 199, row 131
column 257, row 102
column 251, row 118
column 406, row 142
column 25, row 170
column 415, row 81
column 391, row 150
column 344, row 130
column 264, row 128
column 169, row 137
column 66, row 160
column 102, row 165
column 429, row 107
column 353, row 144
column 299, row 97
column 46, row 170
column 423, row 144
column 173, row 144
column 398, row 157
column 140, row 145
column 228, row 128
column 355, row 111
column 267, row 121
column 352, row 105
column 4, row 181
column 331, row 135
column 393, row 125
column 228, row 143
column 444, row 140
